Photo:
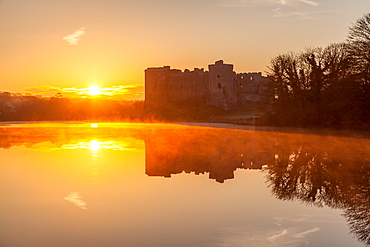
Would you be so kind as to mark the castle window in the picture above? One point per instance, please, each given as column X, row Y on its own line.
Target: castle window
column 251, row 78
column 218, row 76
column 219, row 85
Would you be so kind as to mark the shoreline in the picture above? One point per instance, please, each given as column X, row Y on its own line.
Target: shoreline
column 222, row 125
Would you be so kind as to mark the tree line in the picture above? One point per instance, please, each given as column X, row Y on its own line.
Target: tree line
column 327, row 86
column 16, row 107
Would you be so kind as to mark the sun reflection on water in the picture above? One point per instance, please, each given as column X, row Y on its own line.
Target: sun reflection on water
column 94, row 145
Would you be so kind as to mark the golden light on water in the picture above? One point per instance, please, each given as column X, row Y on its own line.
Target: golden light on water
column 94, row 145
column 92, row 180
column 94, row 125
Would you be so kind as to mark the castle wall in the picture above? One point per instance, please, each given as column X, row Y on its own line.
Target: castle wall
column 252, row 87
column 188, row 85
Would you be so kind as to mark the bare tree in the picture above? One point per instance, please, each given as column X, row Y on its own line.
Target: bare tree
column 300, row 78
column 359, row 41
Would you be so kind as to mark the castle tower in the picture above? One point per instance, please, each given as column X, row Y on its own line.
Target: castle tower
column 156, row 85
column 222, row 86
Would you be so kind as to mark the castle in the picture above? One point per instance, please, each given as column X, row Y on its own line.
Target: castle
column 220, row 86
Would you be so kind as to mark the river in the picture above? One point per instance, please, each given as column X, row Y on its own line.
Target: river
column 126, row 184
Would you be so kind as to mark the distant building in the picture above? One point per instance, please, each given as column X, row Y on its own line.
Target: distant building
column 220, row 86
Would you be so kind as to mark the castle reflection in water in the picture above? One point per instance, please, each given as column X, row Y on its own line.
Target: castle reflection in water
column 319, row 170
column 220, row 157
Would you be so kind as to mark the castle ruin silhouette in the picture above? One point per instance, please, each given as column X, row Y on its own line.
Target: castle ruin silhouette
column 220, row 86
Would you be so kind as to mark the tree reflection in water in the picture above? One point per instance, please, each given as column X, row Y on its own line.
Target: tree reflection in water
column 338, row 179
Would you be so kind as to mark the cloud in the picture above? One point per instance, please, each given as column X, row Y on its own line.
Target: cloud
column 44, row 90
column 134, row 91
column 74, row 38
column 239, row 3
column 278, row 235
column 283, row 2
column 312, row 3
column 121, row 92
column 279, row 12
column 245, row 3
column 304, row 15
column 303, row 234
column 295, row 8
column 281, row 8
column 296, row 2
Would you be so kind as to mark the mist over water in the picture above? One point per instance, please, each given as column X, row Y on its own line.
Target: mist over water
column 73, row 184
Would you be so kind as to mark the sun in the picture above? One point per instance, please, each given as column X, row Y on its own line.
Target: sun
column 94, row 90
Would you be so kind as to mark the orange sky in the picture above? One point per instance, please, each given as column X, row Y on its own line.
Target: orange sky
column 51, row 46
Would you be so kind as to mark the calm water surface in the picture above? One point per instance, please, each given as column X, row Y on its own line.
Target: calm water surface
column 90, row 185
